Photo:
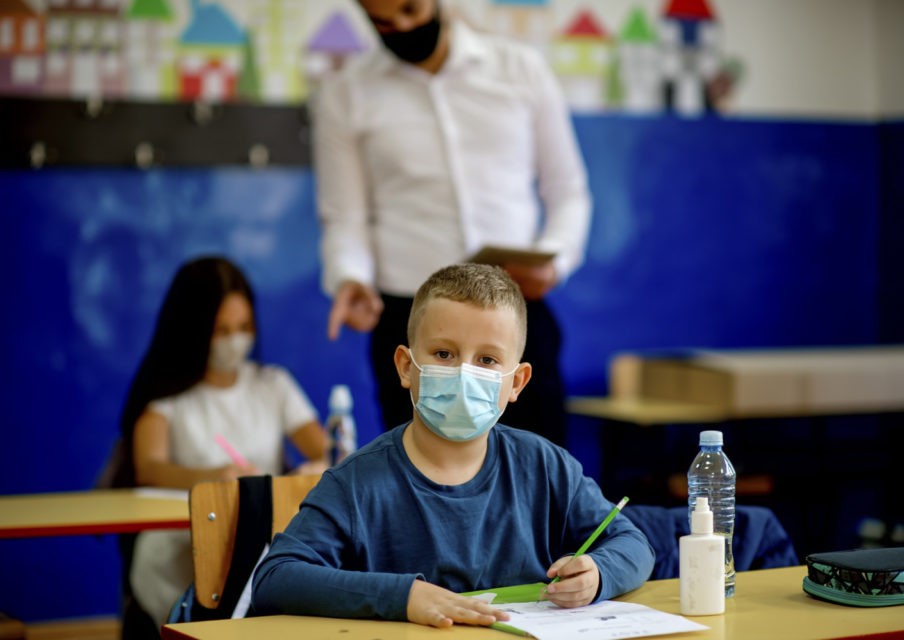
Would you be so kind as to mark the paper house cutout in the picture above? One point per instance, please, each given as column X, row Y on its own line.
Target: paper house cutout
column 638, row 76
column 149, row 49
column 691, row 50
column 581, row 58
column 84, row 49
column 210, row 54
column 526, row 20
column 331, row 45
column 21, row 48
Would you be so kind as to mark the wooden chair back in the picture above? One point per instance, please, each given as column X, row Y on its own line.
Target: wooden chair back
column 214, row 509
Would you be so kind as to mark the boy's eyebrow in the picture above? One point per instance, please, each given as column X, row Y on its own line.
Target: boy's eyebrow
column 440, row 342
column 497, row 350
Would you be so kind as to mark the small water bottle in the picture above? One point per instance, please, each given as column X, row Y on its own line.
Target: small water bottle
column 712, row 476
column 341, row 425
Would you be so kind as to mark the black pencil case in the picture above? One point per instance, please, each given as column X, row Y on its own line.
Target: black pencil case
column 860, row 577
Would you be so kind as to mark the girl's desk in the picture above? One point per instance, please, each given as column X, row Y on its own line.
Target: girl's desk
column 768, row 604
column 92, row 512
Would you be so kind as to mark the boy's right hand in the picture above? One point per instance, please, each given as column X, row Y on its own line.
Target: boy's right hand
column 434, row 606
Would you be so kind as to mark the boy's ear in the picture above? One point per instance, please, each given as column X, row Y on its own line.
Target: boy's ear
column 402, row 359
column 520, row 379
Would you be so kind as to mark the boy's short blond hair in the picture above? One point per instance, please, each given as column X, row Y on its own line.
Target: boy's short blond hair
column 481, row 285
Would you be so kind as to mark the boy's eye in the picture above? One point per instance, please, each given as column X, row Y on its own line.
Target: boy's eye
column 487, row 361
column 443, row 355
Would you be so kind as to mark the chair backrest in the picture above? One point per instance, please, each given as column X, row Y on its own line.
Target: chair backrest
column 759, row 541
column 214, row 509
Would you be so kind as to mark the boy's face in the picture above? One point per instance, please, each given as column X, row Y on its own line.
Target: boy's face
column 451, row 333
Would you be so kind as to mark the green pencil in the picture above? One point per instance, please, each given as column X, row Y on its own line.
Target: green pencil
column 599, row 530
column 501, row 626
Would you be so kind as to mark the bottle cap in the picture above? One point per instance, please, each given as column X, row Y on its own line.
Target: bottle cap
column 701, row 516
column 710, row 438
column 340, row 398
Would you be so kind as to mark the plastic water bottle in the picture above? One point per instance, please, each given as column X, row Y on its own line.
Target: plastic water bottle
column 341, row 425
column 712, row 476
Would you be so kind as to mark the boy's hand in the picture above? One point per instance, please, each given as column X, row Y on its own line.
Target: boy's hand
column 579, row 581
column 434, row 606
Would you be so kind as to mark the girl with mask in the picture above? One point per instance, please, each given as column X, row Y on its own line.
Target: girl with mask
column 196, row 386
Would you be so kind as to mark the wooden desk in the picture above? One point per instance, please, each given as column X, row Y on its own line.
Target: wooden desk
column 769, row 604
column 645, row 411
column 91, row 512
column 657, row 388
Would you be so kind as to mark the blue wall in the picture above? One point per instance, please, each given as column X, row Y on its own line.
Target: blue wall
column 891, row 238
column 717, row 233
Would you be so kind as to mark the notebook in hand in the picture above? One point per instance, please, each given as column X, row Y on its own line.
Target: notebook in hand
column 490, row 254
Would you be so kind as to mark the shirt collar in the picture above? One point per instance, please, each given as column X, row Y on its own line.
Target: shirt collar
column 465, row 47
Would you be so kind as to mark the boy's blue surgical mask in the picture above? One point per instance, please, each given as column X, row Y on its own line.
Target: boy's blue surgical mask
column 458, row 403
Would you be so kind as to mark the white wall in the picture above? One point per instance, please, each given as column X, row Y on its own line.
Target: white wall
column 802, row 58
column 889, row 18
column 822, row 58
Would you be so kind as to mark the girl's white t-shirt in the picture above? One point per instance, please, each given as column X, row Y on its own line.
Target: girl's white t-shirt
column 254, row 415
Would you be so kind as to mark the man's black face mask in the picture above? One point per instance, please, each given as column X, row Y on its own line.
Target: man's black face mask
column 416, row 45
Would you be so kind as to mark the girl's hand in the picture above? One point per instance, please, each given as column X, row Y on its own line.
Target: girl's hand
column 233, row 471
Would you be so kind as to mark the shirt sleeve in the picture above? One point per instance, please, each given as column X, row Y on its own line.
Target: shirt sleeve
column 296, row 408
column 622, row 553
column 561, row 175
column 166, row 407
column 342, row 191
column 310, row 568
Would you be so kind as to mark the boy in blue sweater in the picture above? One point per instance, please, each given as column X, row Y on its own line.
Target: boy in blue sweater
column 449, row 502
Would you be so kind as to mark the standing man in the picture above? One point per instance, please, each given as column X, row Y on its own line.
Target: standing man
column 440, row 142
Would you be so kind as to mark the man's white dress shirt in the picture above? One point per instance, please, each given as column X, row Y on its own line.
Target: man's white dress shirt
column 416, row 171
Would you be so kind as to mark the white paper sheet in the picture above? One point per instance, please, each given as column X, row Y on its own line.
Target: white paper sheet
column 161, row 493
column 602, row 621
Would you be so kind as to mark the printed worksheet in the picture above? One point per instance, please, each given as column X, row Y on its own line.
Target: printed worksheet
column 603, row 621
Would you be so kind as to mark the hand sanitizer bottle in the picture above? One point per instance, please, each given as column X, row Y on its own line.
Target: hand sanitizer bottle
column 701, row 565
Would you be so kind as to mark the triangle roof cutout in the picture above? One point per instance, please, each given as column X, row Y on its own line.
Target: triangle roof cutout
column 637, row 28
column 584, row 24
column 689, row 10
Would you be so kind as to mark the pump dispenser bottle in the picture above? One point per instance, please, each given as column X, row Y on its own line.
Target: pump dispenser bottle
column 701, row 565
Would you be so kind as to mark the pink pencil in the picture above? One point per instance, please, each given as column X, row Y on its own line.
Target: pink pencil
column 234, row 455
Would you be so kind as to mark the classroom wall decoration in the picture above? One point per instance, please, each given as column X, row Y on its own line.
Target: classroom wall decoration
column 275, row 51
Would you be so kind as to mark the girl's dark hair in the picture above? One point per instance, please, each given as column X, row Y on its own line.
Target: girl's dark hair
column 177, row 357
